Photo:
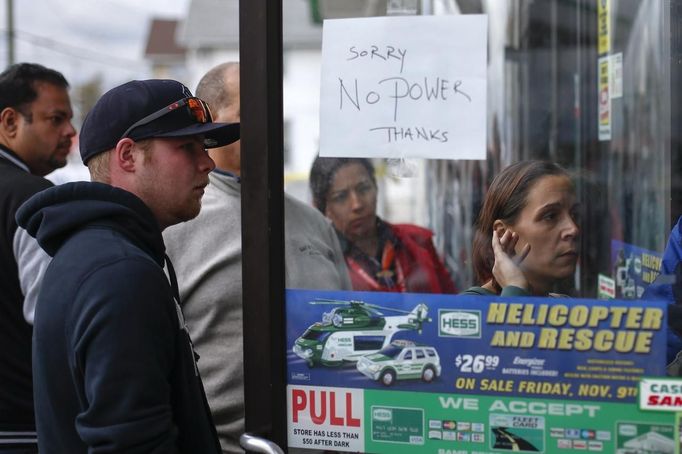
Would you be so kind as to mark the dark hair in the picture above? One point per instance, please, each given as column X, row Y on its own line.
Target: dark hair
column 17, row 84
column 322, row 174
column 504, row 200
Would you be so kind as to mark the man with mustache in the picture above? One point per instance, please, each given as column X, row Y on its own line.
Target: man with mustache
column 35, row 138
column 114, row 367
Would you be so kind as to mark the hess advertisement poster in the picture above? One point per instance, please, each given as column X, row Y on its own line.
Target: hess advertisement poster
column 386, row 372
column 634, row 268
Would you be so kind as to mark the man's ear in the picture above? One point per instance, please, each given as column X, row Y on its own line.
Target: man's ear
column 125, row 155
column 8, row 120
column 499, row 227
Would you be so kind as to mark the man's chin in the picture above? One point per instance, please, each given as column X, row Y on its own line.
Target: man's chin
column 189, row 214
column 57, row 163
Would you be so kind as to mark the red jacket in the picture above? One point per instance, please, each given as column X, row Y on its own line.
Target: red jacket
column 417, row 265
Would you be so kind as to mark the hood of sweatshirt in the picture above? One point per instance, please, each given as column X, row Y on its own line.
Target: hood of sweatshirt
column 53, row 215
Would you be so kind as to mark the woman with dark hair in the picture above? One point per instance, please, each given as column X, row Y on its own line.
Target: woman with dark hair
column 380, row 256
column 526, row 238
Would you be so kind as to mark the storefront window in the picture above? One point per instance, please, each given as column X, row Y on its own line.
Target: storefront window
column 547, row 73
column 582, row 84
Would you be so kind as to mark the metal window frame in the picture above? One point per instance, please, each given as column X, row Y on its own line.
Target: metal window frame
column 260, row 36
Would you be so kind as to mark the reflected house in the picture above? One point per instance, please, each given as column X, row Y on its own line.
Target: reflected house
column 210, row 34
column 167, row 57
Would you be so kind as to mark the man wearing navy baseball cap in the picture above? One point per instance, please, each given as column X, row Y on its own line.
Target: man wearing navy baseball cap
column 114, row 367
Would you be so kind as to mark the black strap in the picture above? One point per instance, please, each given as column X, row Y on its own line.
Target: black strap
column 173, row 279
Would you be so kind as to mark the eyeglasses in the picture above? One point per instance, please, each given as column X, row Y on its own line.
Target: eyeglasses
column 196, row 109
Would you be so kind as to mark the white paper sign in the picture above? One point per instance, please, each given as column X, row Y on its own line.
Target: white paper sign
column 660, row 394
column 398, row 87
column 616, row 82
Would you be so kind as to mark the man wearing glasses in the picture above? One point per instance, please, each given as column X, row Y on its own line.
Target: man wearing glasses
column 114, row 368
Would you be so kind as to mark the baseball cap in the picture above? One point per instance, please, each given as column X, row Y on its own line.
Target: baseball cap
column 145, row 109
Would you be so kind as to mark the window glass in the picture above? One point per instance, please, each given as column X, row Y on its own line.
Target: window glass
column 543, row 103
column 576, row 119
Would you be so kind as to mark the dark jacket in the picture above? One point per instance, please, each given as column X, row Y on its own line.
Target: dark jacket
column 17, row 184
column 114, row 370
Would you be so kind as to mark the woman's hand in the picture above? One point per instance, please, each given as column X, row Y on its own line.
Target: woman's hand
column 506, row 269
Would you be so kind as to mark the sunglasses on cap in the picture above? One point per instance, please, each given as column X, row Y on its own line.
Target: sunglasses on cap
column 196, row 109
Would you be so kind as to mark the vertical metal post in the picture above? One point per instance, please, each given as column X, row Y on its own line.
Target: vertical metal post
column 260, row 38
column 10, row 32
column 555, row 83
column 675, row 17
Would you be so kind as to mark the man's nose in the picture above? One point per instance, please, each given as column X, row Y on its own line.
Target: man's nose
column 206, row 163
column 70, row 130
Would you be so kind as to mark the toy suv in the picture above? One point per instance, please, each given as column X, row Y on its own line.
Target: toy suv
column 401, row 360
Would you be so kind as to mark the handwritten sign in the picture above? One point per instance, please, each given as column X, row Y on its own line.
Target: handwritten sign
column 399, row 87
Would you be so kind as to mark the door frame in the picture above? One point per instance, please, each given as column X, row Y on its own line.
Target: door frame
column 260, row 53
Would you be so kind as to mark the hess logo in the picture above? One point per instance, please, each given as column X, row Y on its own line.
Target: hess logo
column 459, row 323
column 382, row 414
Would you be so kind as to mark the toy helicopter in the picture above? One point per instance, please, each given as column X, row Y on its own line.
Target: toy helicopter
column 354, row 329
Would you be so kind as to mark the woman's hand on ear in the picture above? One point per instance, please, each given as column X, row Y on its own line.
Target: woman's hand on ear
column 506, row 269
